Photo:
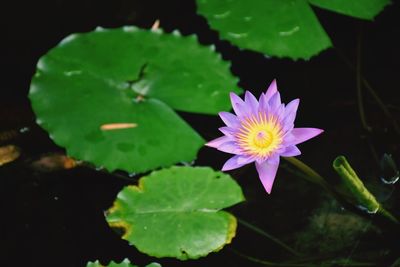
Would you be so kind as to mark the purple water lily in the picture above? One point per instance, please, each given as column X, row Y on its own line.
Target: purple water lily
column 261, row 131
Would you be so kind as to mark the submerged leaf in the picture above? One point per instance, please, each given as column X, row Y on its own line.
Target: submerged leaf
column 8, row 154
column 176, row 212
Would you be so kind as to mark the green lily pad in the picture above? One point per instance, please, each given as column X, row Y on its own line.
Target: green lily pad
column 363, row 9
column 176, row 212
column 284, row 28
column 124, row 263
column 131, row 77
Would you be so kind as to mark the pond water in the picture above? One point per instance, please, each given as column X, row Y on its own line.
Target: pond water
column 53, row 211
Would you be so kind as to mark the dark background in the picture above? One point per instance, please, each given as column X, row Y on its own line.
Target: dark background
column 56, row 218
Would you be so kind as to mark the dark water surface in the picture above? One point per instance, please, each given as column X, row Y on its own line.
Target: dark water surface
column 55, row 218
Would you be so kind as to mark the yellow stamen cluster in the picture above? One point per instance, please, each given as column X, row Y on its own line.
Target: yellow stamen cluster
column 259, row 135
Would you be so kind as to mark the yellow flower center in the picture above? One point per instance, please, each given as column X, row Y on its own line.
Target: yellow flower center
column 259, row 135
column 263, row 139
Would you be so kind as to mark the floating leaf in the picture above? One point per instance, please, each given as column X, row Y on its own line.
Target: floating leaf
column 285, row 28
column 124, row 263
column 176, row 212
column 278, row 28
column 363, row 9
column 106, row 96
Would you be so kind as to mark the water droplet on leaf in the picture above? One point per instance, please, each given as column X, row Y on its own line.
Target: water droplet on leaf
column 390, row 173
column 365, row 209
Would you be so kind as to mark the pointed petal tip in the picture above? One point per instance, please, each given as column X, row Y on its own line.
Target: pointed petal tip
column 291, row 151
column 300, row 135
column 232, row 95
column 228, row 167
column 248, row 93
column 224, row 169
column 235, row 162
column 273, row 85
column 222, row 113
column 239, row 105
column 267, row 187
column 209, row 144
column 215, row 143
column 228, row 118
column 267, row 173
column 272, row 89
column 251, row 102
column 315, row 131
column 268, row 190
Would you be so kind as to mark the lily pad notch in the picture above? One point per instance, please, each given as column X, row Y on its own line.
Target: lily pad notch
column 116, row 110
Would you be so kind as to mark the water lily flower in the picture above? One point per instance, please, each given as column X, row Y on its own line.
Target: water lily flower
column 262, row 131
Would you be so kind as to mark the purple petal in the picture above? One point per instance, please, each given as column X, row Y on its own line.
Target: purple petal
column 229, row 119
column 267, row 172
column 291, row 151
column 236, row 162
column 275, row 102
column 238, row 105
column 292, row 107
column 228, row 131
column 280, row 112
column 251, row 102
column 274, row 159
column 229, row 147
column 290, row 115
column 272, row 89
column 263, row 105
column 218, row 141
column 299, row 135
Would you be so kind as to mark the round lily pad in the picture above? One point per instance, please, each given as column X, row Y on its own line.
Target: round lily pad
column 363, row 9
column 108, row 96
column 284, row 28
column 176, row 212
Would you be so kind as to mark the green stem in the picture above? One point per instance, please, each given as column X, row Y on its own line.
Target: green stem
column 371, row 90
column 396, row 263
column 270, row 263
column 277, row 264
column 381, row 105
column 388, row 215
column 311, row 175
column 359, row 87
column 267, row 235
column 356, row 187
